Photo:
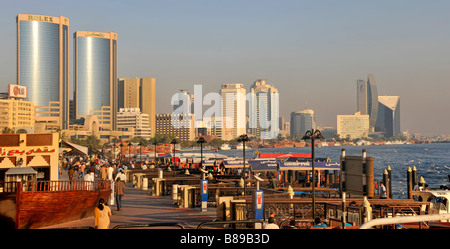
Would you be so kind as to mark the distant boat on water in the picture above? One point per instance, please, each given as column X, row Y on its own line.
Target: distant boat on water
column 225, row 147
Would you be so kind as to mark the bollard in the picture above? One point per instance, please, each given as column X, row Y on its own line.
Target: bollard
column 111, row 198
column 145, row 183
column 367, row 210
column 409, row 182
column 414, row 176
column 160, row 173
column 290, row 191
column 390, row 181
column 386, row 181
column 421, row 183
column 175, row 192
column 342, row 182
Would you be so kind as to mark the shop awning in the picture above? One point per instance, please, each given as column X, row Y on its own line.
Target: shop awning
column 21, row 171
column 76, row 147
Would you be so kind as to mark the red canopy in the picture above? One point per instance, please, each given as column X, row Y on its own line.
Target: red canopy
column 284, row 155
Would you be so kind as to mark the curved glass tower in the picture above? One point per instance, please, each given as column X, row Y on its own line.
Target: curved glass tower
column 43, row 64
column 367, row 99
column 96, row 75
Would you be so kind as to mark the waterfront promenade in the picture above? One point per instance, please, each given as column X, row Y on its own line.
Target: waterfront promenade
column 139, row 207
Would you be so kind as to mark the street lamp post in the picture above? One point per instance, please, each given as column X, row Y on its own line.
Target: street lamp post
column 140, row 152
column 155, row 143
column 243, row 138
column 129, row 151
column 114, row 151
column 121, row 151
column 313, row 134
column 173, row 142
column 200, row 141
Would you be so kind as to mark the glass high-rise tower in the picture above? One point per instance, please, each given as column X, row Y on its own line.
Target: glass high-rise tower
column 388, row 120
column 43, row 65
column 264, row 110
column 367, row 99
column 302, row 121
column 233, row 110
column 96, row 76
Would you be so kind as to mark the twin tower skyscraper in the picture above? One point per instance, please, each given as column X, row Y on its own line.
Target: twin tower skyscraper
column 43, row 67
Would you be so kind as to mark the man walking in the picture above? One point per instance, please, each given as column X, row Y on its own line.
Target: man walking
column 119, row 190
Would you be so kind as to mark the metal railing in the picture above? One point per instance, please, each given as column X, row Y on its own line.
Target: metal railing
column 133, row 226
column 33, row 186
column 231, row 224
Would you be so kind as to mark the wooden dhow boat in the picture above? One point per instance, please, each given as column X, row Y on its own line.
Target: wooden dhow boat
column 37, row 204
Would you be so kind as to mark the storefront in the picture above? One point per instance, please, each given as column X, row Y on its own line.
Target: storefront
column 38, row 151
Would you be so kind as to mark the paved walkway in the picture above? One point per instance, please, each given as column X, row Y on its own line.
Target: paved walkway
column 141, row 208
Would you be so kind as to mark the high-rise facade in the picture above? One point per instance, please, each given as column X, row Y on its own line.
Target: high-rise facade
column 180, row 125
column 302, row 121
column 139, row 93
column 353, row 126
column 96, row 76
column 388, row 120
column 233, row 110
column 264, row 110
column 183, row 102
column 17, row 114
column 136, row 120
column 367, row 99
column 43, row 65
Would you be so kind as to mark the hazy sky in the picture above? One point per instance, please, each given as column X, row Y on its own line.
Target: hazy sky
column 312, row 51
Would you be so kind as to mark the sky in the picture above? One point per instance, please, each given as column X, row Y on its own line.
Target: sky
column 312, row 51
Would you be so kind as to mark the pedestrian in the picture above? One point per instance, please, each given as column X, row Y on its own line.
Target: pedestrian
column 271, row 183
column 121, row 176
column 82, row 168
column 102, row 213
column 292, row 225
column 271, row 224
column 383, row 194
column 119, row 191
column 71, row 173
column 110, row 172
column 89, row 180
column 319, row 223
column 103, row 172
column 89, row 176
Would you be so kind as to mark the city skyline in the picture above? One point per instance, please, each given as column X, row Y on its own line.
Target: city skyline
column 312, row 52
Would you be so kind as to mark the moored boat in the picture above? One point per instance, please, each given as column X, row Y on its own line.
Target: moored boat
column 439, row 204
column 225, row 147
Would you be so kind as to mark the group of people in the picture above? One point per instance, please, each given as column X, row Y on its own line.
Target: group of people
column 91, row 169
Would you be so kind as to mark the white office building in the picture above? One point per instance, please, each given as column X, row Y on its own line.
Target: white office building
column 135, row 119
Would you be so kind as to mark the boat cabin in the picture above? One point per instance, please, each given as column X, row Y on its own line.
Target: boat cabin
column 438, row 199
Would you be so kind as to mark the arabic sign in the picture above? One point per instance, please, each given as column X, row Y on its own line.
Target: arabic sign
column 307, row 165
column 263, row 165
column 13, row 152
column 211, row 162
column 234, row 163
column 284, row 155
